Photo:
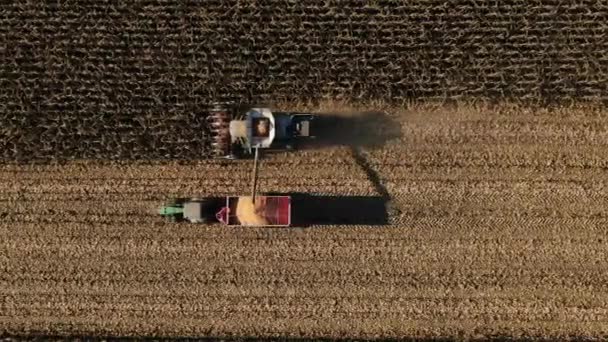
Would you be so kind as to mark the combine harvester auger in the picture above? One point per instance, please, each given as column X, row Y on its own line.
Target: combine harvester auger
column 236, row 132
column 252, row 211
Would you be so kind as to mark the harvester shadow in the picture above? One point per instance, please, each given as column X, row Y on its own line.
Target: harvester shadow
column 358, row 131
column 371, row 129
column 311, row 210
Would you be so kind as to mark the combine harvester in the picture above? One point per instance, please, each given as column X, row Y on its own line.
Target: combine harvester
column 236, row 132
column 253, row 211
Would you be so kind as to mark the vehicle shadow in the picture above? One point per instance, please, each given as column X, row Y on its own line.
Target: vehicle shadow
column 309, row 210
column 358, row 131
column 371, row 129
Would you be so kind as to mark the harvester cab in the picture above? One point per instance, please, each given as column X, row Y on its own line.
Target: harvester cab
column 238, row 132
column 256, row 129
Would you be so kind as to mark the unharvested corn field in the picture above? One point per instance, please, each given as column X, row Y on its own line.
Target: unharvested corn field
column 128, row 79
column 465, row 221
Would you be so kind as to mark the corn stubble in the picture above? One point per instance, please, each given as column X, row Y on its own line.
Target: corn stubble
column 502, row 235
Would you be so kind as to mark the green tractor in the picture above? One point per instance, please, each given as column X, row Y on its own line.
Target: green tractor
column 195, row 210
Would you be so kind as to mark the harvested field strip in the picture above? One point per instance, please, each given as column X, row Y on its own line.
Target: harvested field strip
column 236, row 170
column 322, row 327
column 410, row 226
column 317, row 249
column 229, row 302
column 100, row 289
column 289, row 311
column 417, row 230
column 484, row 238
column 36, row 185
column 575, row 134
column 490, row 273
column 494, row 156
column 592, row 236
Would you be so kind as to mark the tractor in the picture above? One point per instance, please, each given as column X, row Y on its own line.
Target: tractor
column 237, row 131
column 254, row 210
column 261, row 211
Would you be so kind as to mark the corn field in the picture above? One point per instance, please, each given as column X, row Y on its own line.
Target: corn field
column 130, row 80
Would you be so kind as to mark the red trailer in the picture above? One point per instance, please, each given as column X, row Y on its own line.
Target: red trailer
column 267, row 211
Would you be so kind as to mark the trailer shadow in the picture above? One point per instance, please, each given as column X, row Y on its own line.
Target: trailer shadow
column 310, row 210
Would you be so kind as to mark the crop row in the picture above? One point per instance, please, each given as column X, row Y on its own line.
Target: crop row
column 149, row 61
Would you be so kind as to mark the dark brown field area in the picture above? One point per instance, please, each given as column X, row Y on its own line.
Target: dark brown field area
column 129, row 79
column 497, row 227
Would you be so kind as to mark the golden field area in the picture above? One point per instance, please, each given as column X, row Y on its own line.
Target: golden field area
column 495, row 226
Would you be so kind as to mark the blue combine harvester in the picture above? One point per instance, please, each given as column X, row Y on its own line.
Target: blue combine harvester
column 237, row 132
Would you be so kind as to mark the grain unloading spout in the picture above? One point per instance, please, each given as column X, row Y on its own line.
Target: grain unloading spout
column 254, row 180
